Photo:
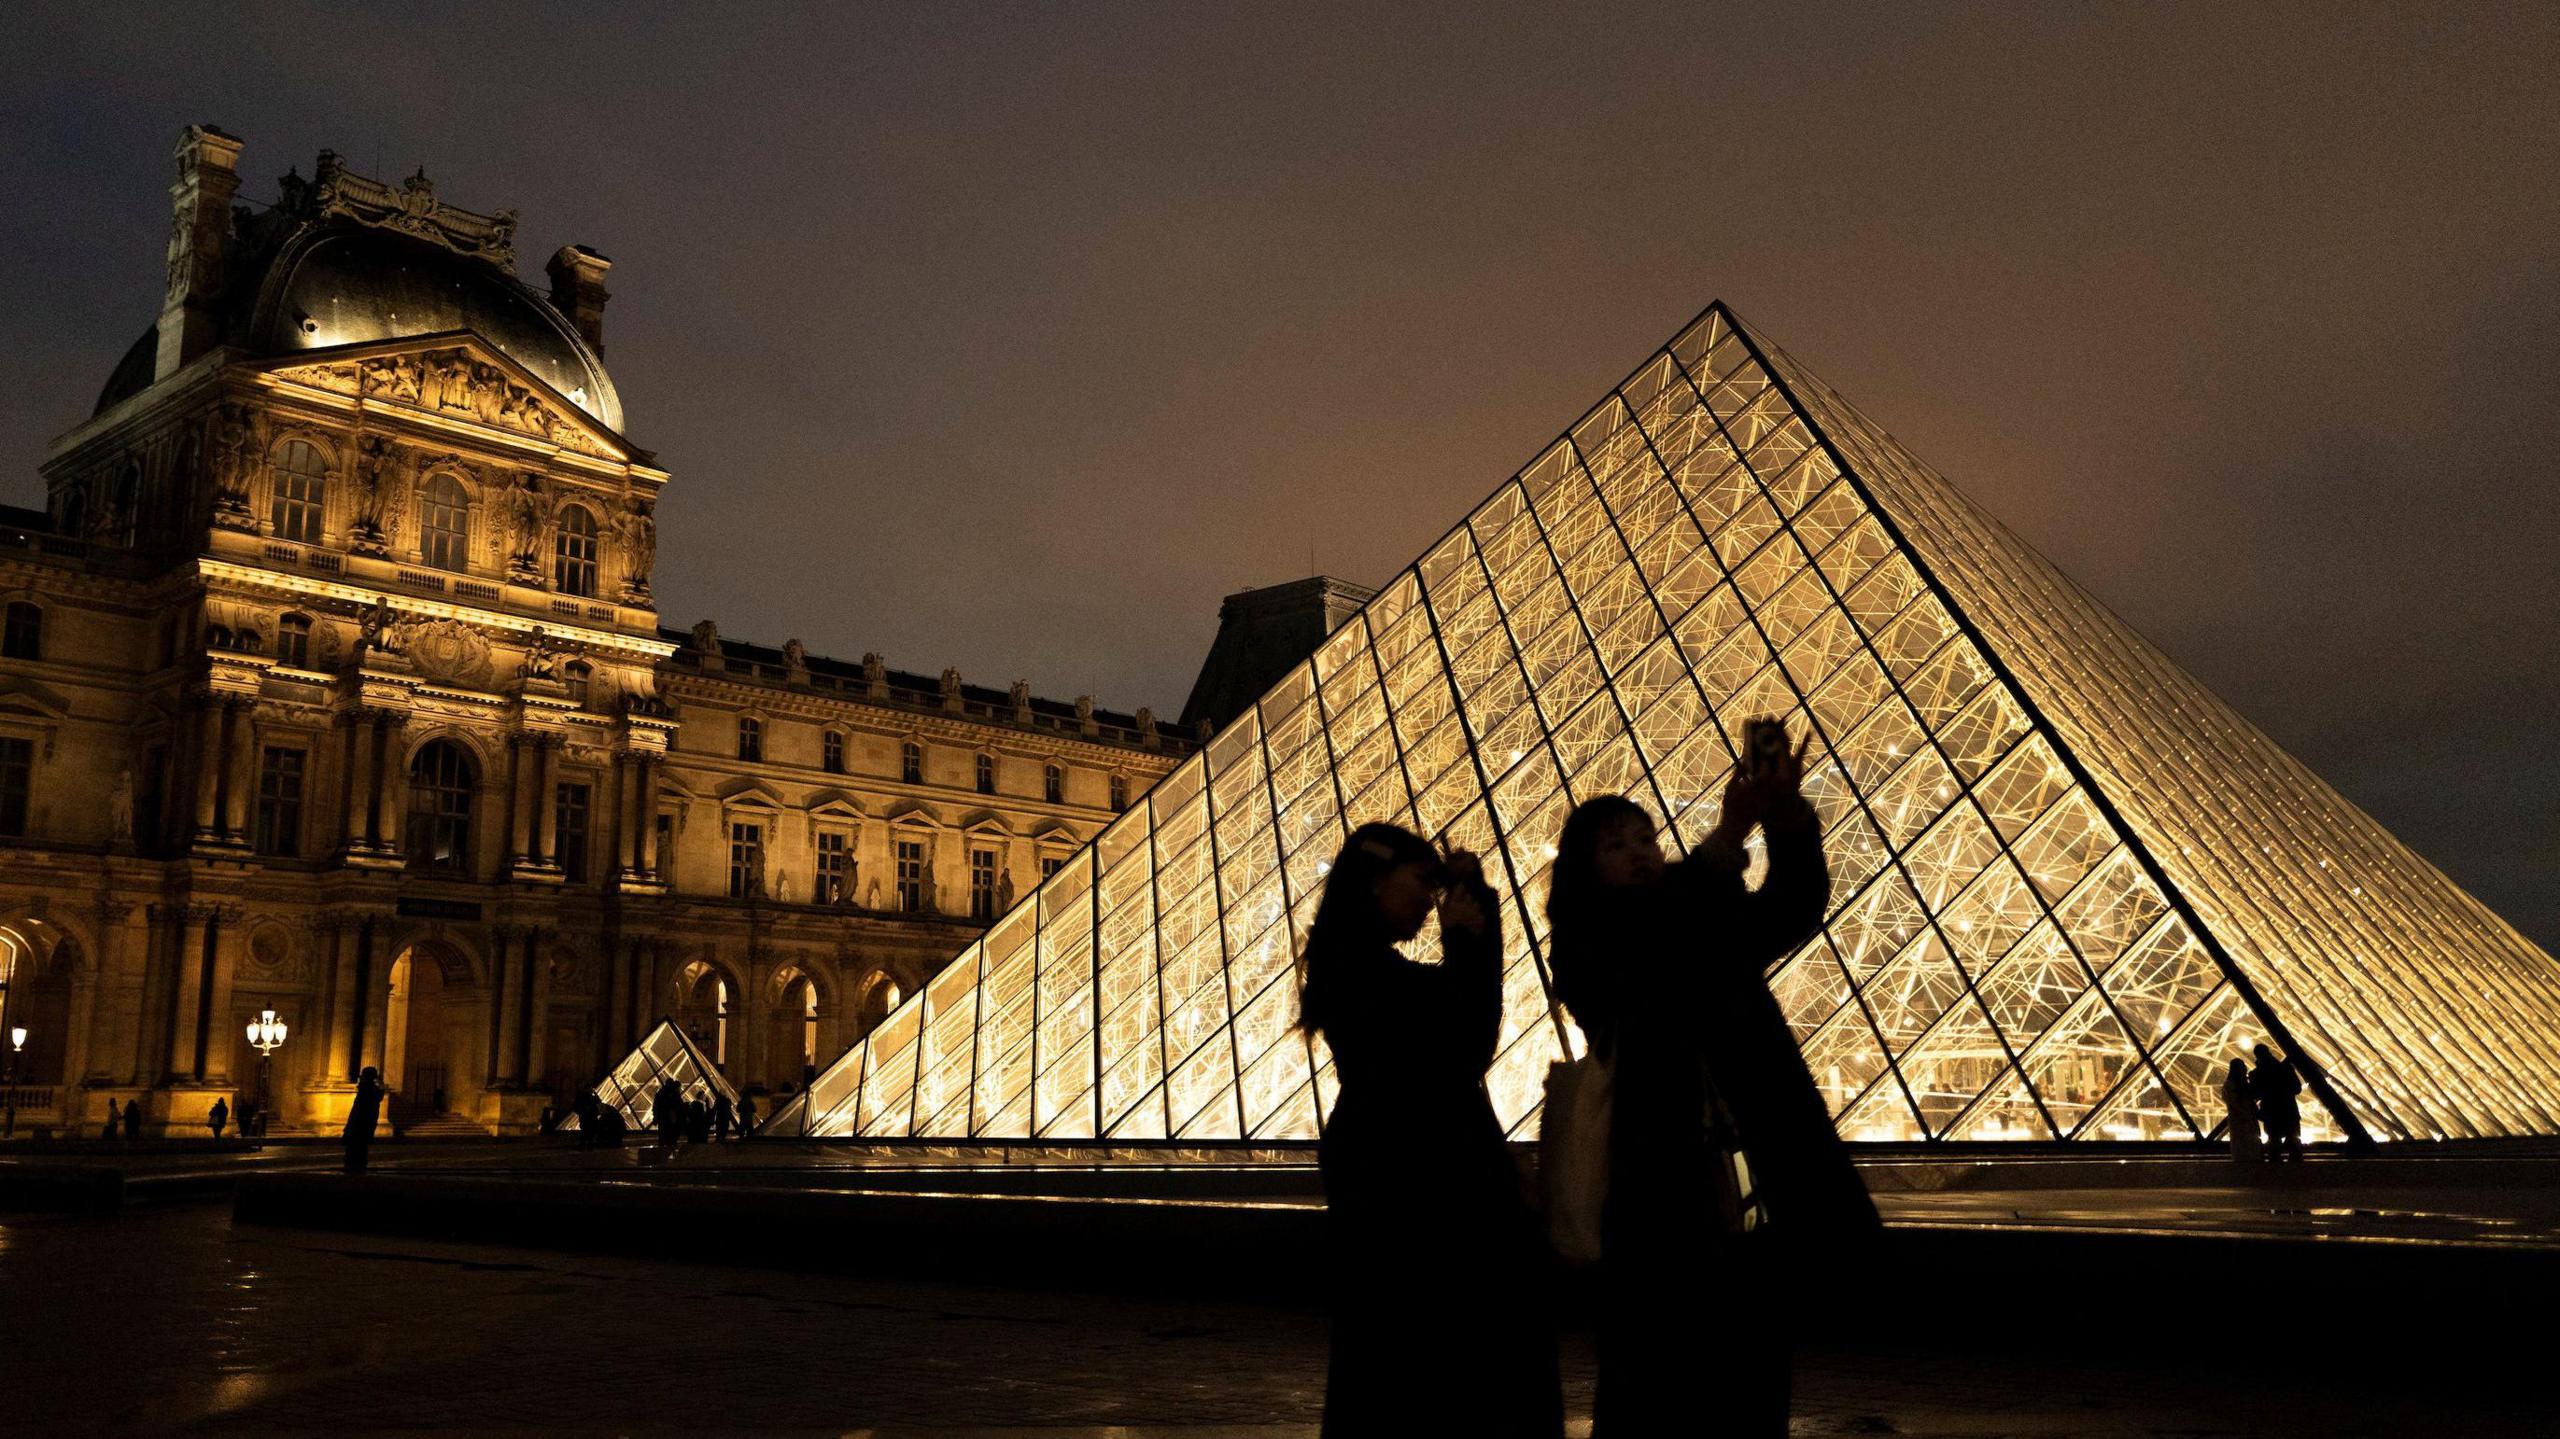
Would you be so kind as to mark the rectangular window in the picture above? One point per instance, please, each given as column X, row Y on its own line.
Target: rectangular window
column 911, row 875
column 1054, row 784
column 750, row 739
column 569, row 815
column 911, row 762
column 280, row 778
column 833, row 759
column 982, row 884
column 835, row 867
column 17, row 778
column 986, row 774
column 24, row 637
column 1119, row 793
column 746, row 861
column 1050, row 864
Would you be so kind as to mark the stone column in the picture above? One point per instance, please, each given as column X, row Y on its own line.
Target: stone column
column 373, row 1002
column 192, row 972
column 506, row 1006
column 389, row 780
column 648, row 818
column 519, row 788
column 537, row 1016
column 546, row 803
column 355, row 778
column 338, row 989
column 209, row 769
column 228, row 935
column 241, row 781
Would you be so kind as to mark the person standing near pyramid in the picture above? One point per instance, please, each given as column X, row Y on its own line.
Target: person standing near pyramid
column 1661, row 965
column 1439, row 1305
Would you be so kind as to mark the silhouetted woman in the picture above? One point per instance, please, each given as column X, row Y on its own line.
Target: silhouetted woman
column 1440, row 1319
column 2277, row 1089
column 1662, row 966
column 2243, row 1108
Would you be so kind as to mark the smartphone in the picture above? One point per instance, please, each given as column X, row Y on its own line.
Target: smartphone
column 1764, row 742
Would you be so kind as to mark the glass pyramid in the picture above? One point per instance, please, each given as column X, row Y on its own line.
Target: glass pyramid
column 665, row 1052
column 2069, row 883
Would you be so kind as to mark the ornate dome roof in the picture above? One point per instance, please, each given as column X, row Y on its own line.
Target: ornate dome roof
column 353, row 285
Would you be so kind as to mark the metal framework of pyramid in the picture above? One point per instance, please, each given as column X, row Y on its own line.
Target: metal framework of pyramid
column 2069, row 883
column 664, row 1053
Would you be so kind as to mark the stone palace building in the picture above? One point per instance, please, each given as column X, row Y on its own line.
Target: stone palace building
column 333, row 685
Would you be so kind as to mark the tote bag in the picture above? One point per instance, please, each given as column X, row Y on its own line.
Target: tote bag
column 1573, row 1154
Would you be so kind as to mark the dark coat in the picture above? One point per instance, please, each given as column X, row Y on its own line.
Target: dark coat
column 1441, row 1309
column 365, row 1112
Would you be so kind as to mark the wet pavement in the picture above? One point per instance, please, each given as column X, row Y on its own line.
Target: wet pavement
column 168, row 1318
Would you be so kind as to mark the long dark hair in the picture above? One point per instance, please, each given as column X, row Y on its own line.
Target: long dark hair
column 1347, row 919
column 1575, row 906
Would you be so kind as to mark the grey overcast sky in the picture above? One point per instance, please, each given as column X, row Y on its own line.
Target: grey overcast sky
column 1015, row 337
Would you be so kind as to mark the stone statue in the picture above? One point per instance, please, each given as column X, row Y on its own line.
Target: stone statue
column 638, row 528
column 379, row 630
column 234, row 453
column 871, row 897
column 951, row 689
column 541, row 656
column 1202, row 729
column 1084, row 715
column 706, row 638
column 1021, row 694
column 795, row 658
column 1004, row 889
column 520, row 509
column 373, row 493
column 875, row 676
column 120, row 807
column 1146, row 726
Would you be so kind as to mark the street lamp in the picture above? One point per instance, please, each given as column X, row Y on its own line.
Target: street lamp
column 266, row 1032
column 17, row 1042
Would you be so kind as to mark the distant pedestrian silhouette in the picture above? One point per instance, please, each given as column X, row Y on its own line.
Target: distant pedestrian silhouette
column 362, row 1115
column 721, row 1117
column 1661, row 964
column 133, row 1118
column 669, row 1114
column 746, row 1116
column 2275, row 1086
column 113, row 1114
column 2243, row 1109
column 1437, row 1274
column 216, row 1117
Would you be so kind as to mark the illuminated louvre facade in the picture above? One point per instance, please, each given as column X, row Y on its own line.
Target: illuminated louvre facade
column 2069, row 883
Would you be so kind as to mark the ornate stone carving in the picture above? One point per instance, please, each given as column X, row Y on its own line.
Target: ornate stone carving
column 523, row 509
column 1021, row 696
column 449, row 650
column 375, row 514
column 381, row 632
column 706, row 639
column 875, row 676
column 1085, row 723
column 541, row 656
column 411, row 209
column 234, row 442
column 637, row 528
column 795, row 661
column 234, row 628
column 951, row 690
column 1146, row 727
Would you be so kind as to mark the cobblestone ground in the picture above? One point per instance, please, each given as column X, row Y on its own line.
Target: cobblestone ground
column 171, row 1319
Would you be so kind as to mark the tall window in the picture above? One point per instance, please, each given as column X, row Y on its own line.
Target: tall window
column 835, row 867
column 1053, row 783
column 444, row 524
column 569, row 816
column 750, row 738
column 746, row 860
column 910, row 875
column 442, row 784
column 831, row 752
column 23, row 638
column 986, row 774
column 293, row 641
column 577, row 676
column 280, row 776
column 1050, row 864
column 982, row 884
column 573, row 554
column 1119, row 793
column 911, row 762
column 17, row 777
column 299, row 485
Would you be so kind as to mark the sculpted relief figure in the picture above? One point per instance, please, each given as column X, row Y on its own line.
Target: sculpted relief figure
column 1146, row 726
column 374, row 510
column 541, row 656
column 120, row 808
column 951, row 689
column 1021, row 697
column 394, row 377
column 379, row 631
column 875, row 676
column 638, row 529
column 235, row 444
column 795, row 661
column 521, row 509
column 706, row 638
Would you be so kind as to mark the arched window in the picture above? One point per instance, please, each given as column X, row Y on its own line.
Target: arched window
column 442, row 785
column 300, row 485
column 444, row 524
column 1053, row 782
column 23, row 639
column 911, row 762
column 293, row 641
column 750, row 738
column 986, row 774
column 573, row 554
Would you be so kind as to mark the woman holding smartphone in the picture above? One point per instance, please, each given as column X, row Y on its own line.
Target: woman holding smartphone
column 1721, row 1148
column 1440, row 1299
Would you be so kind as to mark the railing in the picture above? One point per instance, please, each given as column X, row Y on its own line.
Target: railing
column 30, row 1098
column 474, row 590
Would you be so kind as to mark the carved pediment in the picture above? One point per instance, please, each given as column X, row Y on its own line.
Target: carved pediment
column 460, row 378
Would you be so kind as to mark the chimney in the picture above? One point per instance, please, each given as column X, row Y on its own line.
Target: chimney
column 577, row 291
column 199, row 246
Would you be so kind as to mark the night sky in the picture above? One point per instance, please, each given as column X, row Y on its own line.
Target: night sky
column 1013, row 339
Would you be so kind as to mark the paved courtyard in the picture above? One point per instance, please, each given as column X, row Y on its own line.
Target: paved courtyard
column 170, row 1318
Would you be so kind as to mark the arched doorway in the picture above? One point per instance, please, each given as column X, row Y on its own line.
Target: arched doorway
column 427, row 1033
column 704, row 1001
column 36, row 962
column 792, row 1048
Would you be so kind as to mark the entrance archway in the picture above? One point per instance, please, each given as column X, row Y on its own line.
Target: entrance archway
column 427, row 1031
column 792, row 1051
column 705, row 1002
column 36, row 961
